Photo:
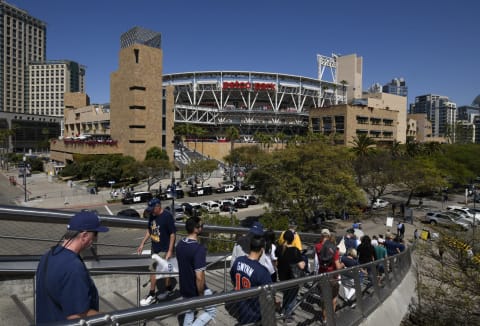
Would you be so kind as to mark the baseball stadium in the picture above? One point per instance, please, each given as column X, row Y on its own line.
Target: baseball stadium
column 253, row 102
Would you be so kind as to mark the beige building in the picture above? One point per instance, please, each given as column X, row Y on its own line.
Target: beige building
column 411, row 129
column 138, row 115
column 394, row 103
column 88, row 121
column 349, row 121
column 49, row 81
column 424, row 131
column 350, row 69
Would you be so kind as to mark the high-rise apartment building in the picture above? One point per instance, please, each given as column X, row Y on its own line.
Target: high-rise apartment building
column 440, row 111
column 22, row 40
column 397, row 86
column 49, row 80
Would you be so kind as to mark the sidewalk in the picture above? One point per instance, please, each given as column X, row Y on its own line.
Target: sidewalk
column 50, row 192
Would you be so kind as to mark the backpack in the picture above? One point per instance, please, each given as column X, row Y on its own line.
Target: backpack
column 326, row 254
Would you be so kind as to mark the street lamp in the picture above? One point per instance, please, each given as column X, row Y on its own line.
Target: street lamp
column 25, row 176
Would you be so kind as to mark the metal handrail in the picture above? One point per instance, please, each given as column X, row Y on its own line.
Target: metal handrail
column 400, row 265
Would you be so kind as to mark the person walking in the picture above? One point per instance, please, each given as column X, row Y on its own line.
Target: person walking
column 328, row 259
column 288, row 255
column 192, row 263
column 270, row 249
column 247, row 272
column 242, row 247
column 161, row 230
column 65, row 289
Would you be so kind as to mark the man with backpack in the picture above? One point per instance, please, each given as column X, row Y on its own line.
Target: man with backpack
column 327, row 258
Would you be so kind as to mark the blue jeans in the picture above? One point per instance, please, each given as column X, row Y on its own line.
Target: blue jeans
column 209, row 314
column 289, row 300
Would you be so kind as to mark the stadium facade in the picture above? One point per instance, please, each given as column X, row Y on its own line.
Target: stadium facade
column 251, row 101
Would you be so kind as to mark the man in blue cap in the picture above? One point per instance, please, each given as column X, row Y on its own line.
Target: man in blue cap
column 65, row 289
column 161, row 230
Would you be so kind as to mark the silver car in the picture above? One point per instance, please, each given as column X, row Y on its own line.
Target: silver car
column 447, row 220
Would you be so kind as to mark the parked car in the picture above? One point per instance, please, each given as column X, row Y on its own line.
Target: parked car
column 445, row 219
column 380, row 203
column 211, row 206
column 470, row 212
column 192, row 209
column 137, row 197
column 251, row 199
column 226, row 205
column 227, row 188
column 239, row 202
column 459, row 216
column 179, row 213
column 248, row 186
column 168, row 194
column 200, row 191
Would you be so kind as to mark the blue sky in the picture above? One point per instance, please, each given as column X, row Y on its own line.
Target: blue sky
column 433, row 45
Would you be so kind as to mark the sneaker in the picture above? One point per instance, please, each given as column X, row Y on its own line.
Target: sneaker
column 148, row 300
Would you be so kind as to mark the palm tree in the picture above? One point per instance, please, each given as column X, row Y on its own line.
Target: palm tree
column 396, row 149
column 280, row 136
column 200, row 132
column 363, row 145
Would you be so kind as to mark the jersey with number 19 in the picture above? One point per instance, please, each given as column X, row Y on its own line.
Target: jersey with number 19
column 247, row 273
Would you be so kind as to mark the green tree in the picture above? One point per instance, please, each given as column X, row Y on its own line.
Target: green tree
column 202, row 169
column 156, row 153
column 305, row 178
column 418, row 174
column 375, row 172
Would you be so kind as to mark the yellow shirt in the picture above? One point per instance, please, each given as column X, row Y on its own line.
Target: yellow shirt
column 296, row 240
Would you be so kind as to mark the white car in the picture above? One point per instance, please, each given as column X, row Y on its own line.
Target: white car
column 380, row 203
column 469, row 212
column 211, row 206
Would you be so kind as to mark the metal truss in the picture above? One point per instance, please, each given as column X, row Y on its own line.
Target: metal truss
column 250, row 100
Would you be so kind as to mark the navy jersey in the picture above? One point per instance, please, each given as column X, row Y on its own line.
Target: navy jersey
column 246, row 273
column 191, row 257
column 64, row 286
column 160, row 228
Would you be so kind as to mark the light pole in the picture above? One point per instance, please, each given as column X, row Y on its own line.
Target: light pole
column 25, row 176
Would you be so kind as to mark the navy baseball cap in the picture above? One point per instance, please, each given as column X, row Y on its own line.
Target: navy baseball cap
column 152, row 203
column 86, row 221
column 257, row 228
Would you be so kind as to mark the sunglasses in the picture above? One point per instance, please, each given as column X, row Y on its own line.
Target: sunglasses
column 198, row 226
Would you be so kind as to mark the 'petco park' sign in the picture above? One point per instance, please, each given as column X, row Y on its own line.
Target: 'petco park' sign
column 247, row 85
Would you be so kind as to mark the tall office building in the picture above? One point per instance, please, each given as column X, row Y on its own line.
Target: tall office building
column 440, row 111
column 22, row 40
column 397, row 86
column 49, row 80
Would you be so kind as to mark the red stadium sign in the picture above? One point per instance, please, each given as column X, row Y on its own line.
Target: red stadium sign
column 247, row 85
